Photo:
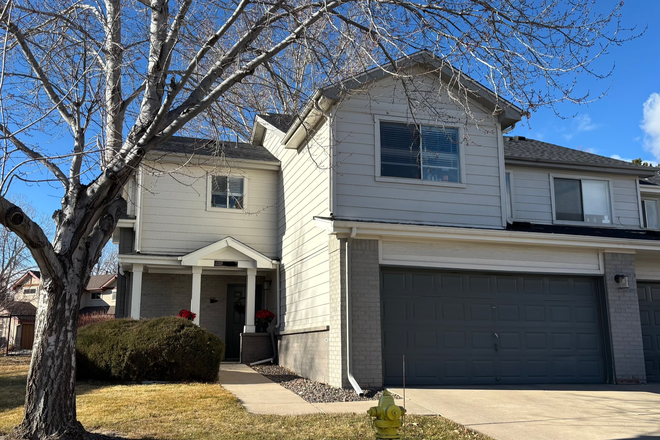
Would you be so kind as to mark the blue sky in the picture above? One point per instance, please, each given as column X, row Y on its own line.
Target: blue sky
column 614, row 125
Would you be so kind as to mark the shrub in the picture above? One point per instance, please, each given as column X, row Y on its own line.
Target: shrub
column 164, row 349
column 92, row 318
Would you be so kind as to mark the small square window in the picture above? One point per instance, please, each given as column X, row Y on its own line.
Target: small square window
column 422, row 152
column 586, row 201
column 95, row 295
column 227, row 192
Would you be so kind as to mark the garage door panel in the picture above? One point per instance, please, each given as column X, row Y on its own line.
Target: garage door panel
column 466, row 328
column 649, row 314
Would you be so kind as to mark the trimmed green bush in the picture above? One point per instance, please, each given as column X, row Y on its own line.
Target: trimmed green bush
column 163, row 349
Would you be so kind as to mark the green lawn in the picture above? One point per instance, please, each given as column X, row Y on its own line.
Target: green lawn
column 199, row 411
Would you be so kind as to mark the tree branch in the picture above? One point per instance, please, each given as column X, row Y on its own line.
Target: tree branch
column 36, row 156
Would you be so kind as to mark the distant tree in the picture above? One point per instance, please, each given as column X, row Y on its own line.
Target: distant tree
column 108, row 262
column 639, row 161
column 108, row 81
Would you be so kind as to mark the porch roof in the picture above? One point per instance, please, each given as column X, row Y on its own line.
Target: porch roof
column 228, row 250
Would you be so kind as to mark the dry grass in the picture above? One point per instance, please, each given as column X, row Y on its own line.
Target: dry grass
column 199, row 411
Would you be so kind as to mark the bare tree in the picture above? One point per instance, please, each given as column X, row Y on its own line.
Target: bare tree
column 107, row 263
column 89, row 87
column 15, row 257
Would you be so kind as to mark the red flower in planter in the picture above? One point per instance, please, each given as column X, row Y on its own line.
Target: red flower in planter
column 186, row 314
column 264, row 318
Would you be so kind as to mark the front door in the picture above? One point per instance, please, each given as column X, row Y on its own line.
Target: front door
column 235, row 320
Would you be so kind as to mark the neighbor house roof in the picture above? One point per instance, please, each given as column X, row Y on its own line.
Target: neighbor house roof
column 653, row 180
column 108, row 310
column 20, row 308
column 34, row 274
column 521, row 149
column 100, row 282
column 207, row 147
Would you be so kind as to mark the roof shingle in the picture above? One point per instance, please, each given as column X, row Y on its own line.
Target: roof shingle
column 532, row 150
column 206, row 147
column 280, row 121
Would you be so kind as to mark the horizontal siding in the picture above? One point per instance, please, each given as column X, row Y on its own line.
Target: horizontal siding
column 360, row 195
column 533, row 203
column 303, row 248
column 476, row 256
column 175, row 219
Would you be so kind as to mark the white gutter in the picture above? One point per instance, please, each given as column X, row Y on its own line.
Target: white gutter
column 375, row 230
column 349, row 320
column 137, row 226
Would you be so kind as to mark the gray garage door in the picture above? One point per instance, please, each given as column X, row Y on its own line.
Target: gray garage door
column 472, row 328
column 649, row 311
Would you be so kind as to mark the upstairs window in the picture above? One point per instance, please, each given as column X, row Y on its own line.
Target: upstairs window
column 227, row 192
column 650, row 211
column 580, row 200
column 422, row 152
column 95, row 295
column 31, row 291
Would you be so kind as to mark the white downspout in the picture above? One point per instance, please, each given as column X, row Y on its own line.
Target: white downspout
column 277, row 289
column 349, row 307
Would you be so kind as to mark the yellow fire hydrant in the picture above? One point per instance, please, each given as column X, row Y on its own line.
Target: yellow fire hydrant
column 386, row 417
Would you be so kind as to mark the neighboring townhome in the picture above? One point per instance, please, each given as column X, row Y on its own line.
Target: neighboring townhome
column 375, row 234
column 26, row 289
column 100, row 295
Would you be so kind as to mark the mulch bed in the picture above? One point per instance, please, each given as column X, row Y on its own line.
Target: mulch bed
column 311, row 391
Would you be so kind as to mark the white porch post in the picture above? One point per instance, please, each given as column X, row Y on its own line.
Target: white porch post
column 196, row 301
column 250, row 298
column 136, row 290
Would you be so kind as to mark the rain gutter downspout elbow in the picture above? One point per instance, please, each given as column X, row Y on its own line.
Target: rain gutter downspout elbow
column 349, row 307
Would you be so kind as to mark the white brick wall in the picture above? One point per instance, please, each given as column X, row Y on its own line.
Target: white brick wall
column 625, row 327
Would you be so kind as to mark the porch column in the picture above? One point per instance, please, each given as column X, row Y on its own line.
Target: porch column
column 250, row 301
column 196, row 301
column 136, row 290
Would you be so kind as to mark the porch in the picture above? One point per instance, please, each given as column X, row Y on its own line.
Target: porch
column 224, row 284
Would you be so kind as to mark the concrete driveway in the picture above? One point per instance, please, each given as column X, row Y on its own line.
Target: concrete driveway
column 581, row 412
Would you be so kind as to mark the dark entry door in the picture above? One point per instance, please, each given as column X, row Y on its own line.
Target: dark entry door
column 482, row 328
column 27, row 336
column 235, row 320
column 649, row 311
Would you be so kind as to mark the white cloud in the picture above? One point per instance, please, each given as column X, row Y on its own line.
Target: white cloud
column 617, row 157
column 584, row 123
column 580, row 124
column 651, row 125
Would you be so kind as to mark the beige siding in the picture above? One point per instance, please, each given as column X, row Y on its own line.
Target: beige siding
column 304, row 193
column 20, row 295
column 360, row 195
column 498, row 257
column 532, row 197
column 175, row 218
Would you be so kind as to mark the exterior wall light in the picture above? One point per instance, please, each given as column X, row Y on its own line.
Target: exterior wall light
column 622, row 281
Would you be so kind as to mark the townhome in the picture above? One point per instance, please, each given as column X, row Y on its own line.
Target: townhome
column 381, row 234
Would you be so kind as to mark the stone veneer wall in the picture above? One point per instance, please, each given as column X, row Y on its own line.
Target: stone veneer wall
column 624, row 320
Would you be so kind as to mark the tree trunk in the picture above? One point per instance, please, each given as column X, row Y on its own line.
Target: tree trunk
column 50, row 401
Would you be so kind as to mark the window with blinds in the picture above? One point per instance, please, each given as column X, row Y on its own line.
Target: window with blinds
column 419, row 152
column 227, row 192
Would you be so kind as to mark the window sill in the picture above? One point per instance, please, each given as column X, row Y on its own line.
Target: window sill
column 400, row 180
column 227, row 210
column 587, row 224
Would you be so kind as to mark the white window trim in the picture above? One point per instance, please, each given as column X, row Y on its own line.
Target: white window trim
column 643, row 212
column 573, row 223
column 398, row 180
column 511, row 195
column 100, row 298
column 209, row 189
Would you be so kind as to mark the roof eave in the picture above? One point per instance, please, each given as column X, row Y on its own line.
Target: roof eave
column 623, row 169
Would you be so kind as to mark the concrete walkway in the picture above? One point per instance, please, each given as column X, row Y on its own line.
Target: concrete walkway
column 263, row 396
column 580, row 412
